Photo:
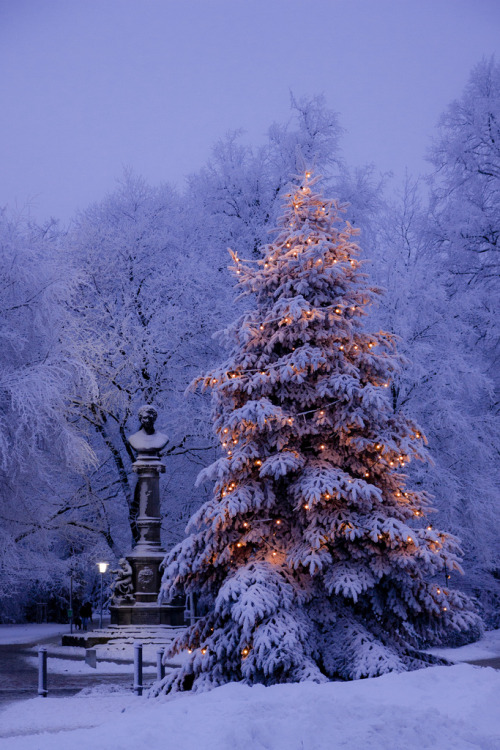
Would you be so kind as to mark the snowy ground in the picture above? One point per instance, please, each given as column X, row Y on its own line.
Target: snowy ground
column 450, row 708
column 487, row 648
column 439, row 708
column 30, row 633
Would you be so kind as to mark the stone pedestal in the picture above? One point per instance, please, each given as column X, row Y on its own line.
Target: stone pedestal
column 148, row 553
column 138, row 614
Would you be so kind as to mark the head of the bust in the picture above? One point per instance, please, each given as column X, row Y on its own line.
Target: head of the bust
column 147, row 418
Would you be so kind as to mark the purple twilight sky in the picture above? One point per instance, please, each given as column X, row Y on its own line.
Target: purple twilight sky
column 91, row 86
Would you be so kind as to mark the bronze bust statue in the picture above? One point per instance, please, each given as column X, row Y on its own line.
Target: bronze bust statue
column 147, row 439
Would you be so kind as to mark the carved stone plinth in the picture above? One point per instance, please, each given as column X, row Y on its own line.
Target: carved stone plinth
column 146, row 580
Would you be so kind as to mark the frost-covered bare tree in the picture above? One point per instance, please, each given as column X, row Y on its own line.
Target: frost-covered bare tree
column 134, row 324
column 465, row 232
column 466, row 205
column 235, row 197
column 442, row 384
column 41, row 453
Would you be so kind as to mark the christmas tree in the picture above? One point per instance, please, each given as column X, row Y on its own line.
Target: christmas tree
column 313, row 559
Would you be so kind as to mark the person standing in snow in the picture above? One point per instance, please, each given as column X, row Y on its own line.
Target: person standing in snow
column 86, row 614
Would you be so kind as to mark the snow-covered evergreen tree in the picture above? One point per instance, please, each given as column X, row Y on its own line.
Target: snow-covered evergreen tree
column 314, row 557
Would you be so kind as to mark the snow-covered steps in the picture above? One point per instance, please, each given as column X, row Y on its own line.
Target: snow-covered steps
column 123, row 635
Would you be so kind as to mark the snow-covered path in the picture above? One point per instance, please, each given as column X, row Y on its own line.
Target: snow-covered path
column 31, row 632
column 487, row 650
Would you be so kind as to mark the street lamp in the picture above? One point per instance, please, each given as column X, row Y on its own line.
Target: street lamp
column 103, row 566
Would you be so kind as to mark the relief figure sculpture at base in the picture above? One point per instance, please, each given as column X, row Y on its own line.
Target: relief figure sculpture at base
column 122, row 586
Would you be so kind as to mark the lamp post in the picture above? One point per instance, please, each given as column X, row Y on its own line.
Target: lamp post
column 103, row 566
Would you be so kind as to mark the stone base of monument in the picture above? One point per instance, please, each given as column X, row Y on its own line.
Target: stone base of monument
column 141, row 607
column 146, row 577
column 147, row 614
column 118, row 641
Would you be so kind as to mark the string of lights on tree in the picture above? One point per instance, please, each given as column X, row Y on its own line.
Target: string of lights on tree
column 310, row 496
